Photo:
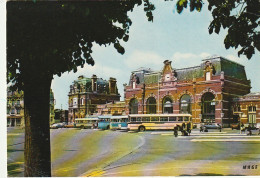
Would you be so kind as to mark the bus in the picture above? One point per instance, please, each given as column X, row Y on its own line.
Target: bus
column 104, row 122
column 143, row 122
column 86, row 123
column 118, row 122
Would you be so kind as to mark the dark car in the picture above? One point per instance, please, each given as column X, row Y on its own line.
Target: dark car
column 211, row 126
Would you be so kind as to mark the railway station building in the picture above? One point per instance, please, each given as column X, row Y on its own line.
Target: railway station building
column 206, row 91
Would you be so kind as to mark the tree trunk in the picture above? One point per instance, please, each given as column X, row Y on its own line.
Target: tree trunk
column 37, row 153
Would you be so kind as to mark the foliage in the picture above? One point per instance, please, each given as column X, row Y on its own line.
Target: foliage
column 240, row 17
column 48, row 38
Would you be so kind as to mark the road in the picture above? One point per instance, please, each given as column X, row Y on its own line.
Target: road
column 114, row 153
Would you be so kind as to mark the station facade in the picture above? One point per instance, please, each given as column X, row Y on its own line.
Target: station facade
column 205, row 91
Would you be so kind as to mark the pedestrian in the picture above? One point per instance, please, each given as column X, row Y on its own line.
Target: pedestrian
column 175, row 130
column 183, row 126
column 189, row 128
column 242, row 128
column 249, row 129
column 201, row 128
column 219, row 127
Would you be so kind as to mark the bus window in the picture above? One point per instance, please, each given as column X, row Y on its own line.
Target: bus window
column 172, row 119
column 164, row 119
column 180, row 118
column 133, row 119
column 186, row 118
column 146, row 119
column 154, row 119
column 138, row 119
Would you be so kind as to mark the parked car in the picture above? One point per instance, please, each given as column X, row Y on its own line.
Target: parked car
column 211, row 126
column 235, row 126
column 57, row 125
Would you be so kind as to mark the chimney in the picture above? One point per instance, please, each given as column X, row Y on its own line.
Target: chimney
column 94, row 82
column 112, row 85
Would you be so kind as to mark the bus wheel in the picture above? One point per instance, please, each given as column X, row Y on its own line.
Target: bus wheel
column 108, row 127
column 141, row 129
column 82, row 127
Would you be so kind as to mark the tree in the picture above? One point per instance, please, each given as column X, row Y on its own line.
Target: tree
column 240, row 17
column 49, row 38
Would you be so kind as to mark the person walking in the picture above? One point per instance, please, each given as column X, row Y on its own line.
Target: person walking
column 189, row 128
column 201, row 128
column 175, row 131
column 249, row 129
column 219, row 127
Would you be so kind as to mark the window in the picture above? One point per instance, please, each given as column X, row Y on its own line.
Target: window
column 138, row 119
column 146, row 119
column 185, row 104
column 208, row 107
column 133, row 106
column 164, row 119
column 75, row 102
column 133, row 119
column 151, row 106
column 186, row 118
column 12, row 111
column 18, row 111
column 207, row 76
column 167, row 105
column 172, row 118
column 8, row 111
column 180, row 118
column 82, row 101
column 154, row 119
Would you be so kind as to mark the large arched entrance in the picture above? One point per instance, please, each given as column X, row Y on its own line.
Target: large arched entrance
column 208, row 107
column 185, row 104
column 167, row 105
column 133, row 106
column 151, row 105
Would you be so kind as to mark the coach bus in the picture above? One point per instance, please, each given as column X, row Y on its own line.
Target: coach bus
column 104, row 122
column 86, row 123
column 142, row 122
column 118, row 122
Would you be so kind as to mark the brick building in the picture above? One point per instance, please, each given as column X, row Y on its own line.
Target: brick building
column 86, row 93
column 114, row 108
column 205, row 91
column 15, row 108
column 247, row 108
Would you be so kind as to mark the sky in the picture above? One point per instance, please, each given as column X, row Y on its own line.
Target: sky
column 182, row 38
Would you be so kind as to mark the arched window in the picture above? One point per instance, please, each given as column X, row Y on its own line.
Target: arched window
column 167, row 105
column 151, row 106
column 208, row 107
column 185, row 104
column 133, row 106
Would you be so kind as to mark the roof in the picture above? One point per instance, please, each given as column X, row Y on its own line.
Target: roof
column 230, row 68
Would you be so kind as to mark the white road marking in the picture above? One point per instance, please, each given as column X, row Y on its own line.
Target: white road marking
column 225, row 140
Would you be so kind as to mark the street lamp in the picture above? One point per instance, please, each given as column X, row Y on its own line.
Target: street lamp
column 240, row 116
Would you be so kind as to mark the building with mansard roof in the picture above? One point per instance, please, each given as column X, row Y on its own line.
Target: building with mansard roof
column 86, row 93
column 206, row 91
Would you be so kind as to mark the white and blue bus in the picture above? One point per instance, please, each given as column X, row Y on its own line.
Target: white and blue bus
column 142, row 122
column 104, row 122
column 118, row 122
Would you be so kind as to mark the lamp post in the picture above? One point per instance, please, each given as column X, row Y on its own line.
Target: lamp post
column 240, row 116
column 158, row 93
